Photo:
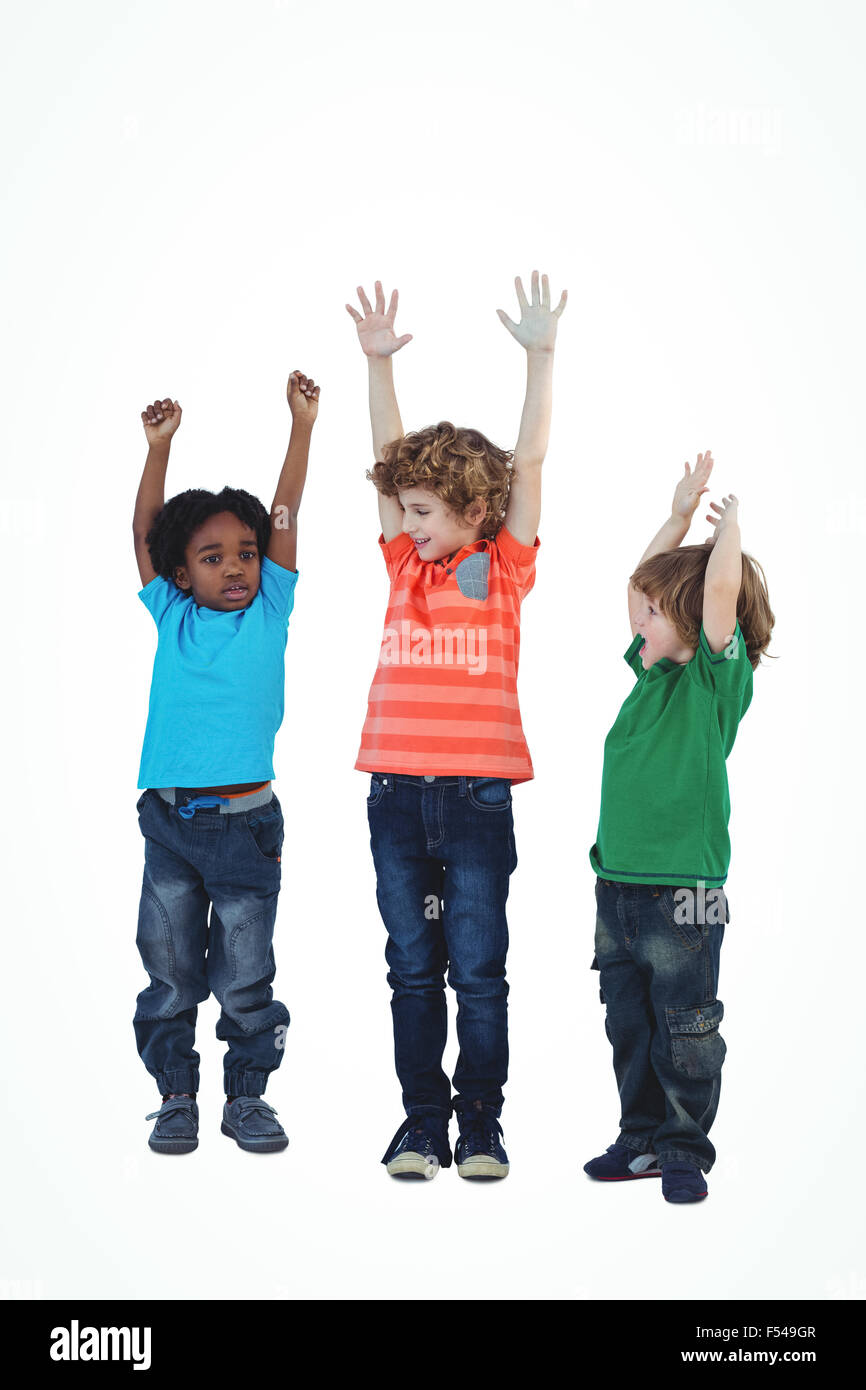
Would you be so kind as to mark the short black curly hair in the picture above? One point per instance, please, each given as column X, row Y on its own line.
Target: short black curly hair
column 182, row 515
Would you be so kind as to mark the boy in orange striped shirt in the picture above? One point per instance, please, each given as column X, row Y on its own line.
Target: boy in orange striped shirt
column 443, row 738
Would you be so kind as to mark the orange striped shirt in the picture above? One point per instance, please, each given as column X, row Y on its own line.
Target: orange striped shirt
column 444, row 697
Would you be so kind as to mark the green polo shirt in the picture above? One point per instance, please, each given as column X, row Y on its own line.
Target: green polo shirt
column 664, row 787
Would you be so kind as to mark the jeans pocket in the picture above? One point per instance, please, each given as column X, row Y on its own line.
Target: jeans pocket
column 265, row 827
column 680, row 916
column 595, row 966
column 489, row 793
column 377, row 788
column 697, row 1047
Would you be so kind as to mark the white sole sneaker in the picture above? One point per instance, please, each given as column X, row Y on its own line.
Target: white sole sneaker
column 482, row 1166
column 413, row 1165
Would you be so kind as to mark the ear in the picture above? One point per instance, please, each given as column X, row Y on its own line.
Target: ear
column 476, row 512
column 181, row 578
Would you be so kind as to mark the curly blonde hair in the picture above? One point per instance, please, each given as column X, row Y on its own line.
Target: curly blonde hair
column 675, row 578
column 459, row 466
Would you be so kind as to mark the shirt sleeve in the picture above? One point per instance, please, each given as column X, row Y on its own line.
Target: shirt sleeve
column 277, row 588
column 728, row 676
column 632, row 657
column 396, row 552
column 517, row 561
column 159, row 595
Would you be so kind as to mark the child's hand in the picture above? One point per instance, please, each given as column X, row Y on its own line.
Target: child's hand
column 302, row 394
column 376, row 329
column 536, row 330
column 729, row 516
column 691, row 487
column 160, row 420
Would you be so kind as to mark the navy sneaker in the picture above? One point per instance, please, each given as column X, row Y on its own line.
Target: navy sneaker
column 479, row 1153
column 252, row 1123
column 619, row 1163
column 419, row 1148
column 683, row 1182
column 176, row 1128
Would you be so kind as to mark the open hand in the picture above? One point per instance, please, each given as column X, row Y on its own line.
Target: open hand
column 160, row 420
column 728, row 516
column 376, row 329
column 536, row 330
column 302, row 394
column 692, row 486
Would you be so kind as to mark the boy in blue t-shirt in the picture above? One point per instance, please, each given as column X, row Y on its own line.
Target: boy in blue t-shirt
column 219, row 580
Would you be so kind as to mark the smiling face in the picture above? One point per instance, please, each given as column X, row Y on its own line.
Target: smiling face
column 659, row 634
column 433, row 528
column 223, row 566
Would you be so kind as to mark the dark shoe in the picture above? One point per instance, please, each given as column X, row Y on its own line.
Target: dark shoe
column 620, row 1164
column 176, row 1128
column 682, row 1182
column 251, row 1122
column 419, row 1148
column 479, row 1153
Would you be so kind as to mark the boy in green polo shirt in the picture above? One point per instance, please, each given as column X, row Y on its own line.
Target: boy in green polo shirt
column 700, row 619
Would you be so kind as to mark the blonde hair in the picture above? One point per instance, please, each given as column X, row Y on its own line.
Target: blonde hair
column 675, row 578
column 459, row 466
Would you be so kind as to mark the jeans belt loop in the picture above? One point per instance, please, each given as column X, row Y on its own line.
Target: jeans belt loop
column 461, row 785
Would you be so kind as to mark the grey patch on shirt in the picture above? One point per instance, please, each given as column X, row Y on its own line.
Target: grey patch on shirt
column 471, row 575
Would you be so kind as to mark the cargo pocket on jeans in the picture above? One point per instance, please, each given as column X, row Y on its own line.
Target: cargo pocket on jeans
column 697, row 1047
column 595, row 966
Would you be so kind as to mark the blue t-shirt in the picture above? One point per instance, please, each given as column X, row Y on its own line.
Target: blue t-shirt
column 217, row 694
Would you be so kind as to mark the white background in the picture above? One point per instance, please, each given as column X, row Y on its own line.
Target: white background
column 194, row 190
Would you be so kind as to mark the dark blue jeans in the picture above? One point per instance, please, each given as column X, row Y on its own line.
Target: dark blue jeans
column 229, row 863
column 443, row 848
column 659, row 965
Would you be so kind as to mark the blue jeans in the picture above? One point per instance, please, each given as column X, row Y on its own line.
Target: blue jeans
column 229, row 863
column 443, row 849
column 659, row 965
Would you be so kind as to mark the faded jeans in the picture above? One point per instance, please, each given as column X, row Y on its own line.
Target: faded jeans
column 659, row 982
column 228, row 864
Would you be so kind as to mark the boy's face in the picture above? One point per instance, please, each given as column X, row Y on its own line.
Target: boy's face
column 223, row 566
column 659, row 634
column 434, row 529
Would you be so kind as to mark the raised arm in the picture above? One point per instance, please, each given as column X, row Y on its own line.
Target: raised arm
column 536, row 332
column 672, row 533
column 160, row 421
column 724, row 577
column 303, row 397
column 379, row 342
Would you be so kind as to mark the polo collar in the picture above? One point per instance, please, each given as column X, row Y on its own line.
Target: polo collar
column 450, row 562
